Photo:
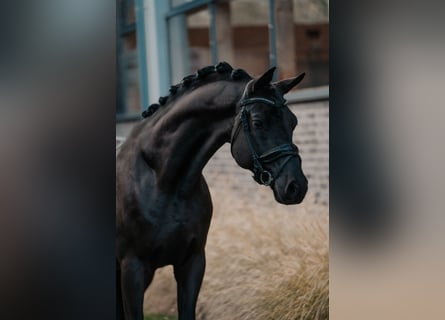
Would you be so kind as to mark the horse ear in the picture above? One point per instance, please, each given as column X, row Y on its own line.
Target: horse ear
column 264, row 80
column 285, row 85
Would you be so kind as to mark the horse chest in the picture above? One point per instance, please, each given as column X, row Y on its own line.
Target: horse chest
column 174, row 228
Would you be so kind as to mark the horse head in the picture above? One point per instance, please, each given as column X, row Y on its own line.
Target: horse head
column 261, row 139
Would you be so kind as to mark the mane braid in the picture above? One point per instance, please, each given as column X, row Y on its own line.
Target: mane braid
column 174, row 89
column 150, row 110
column 223, row 67
column 204, row 72
column 187, row 81
column 163, row 100
column 240, row 74
column 220, row 68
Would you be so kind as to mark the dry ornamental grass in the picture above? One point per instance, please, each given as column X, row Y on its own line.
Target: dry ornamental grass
column 264, row 261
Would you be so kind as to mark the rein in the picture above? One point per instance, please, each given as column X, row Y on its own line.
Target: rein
column 261, row 175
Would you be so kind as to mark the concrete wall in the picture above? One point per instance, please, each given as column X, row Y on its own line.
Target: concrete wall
column 312, row 138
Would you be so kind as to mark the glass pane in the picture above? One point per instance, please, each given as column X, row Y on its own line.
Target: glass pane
column 311, row 30
column 198, row 25
column 127, row 12
column 189, row 43
column 131, row 69
column 130, row 16
column 249, row 21
column 250, row 12
column 129, row 100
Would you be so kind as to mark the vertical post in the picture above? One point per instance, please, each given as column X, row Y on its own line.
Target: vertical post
column 272, row 37
column 224, row 32
column 285, row 38
column 179, row 47
column 157, row 47
column 213, row 36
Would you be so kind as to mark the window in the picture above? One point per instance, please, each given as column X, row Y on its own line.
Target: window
column 252, row 34
column 186, row 35
column 131, row 73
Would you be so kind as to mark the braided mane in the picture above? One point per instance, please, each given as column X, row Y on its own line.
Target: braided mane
column 222, row 68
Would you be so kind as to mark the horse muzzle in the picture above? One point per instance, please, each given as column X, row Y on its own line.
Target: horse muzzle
column 290, row 192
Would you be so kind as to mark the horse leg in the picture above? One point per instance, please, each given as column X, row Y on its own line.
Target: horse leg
column 189, row 278
column 134, row 280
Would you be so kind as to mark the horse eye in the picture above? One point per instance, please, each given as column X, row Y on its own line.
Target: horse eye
column 258, row 124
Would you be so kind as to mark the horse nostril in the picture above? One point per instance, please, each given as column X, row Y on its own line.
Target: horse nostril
column 292, row 190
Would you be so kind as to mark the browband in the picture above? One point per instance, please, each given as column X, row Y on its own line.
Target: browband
column 248, row 101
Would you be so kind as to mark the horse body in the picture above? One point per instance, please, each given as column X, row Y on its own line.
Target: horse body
column 163, row 203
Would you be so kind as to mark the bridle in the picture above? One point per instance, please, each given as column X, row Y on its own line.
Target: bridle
column 261, row 175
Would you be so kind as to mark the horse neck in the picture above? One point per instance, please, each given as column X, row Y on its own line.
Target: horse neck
column 193, row 128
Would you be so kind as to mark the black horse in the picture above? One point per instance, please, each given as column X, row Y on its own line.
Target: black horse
column 162, row 200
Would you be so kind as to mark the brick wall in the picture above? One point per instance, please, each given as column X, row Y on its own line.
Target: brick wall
column 312, row 138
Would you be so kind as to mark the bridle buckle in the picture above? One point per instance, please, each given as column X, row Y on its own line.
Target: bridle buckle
column 265, row 178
